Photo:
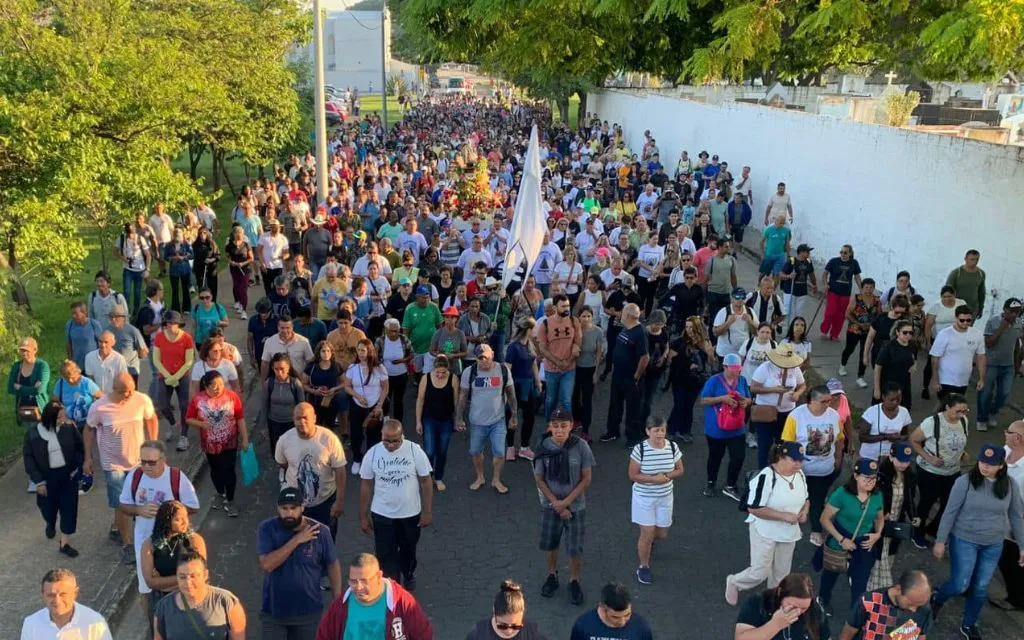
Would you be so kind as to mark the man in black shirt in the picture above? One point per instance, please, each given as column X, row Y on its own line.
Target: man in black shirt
column 899, row 612
column 629, row 359
column 621, row 295
column 687, row 300
column 797, row 280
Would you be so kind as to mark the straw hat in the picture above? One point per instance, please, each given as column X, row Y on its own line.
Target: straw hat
column 784, row 357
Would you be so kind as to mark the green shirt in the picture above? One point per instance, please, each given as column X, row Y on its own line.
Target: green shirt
column 849, row 510
column 366, row 622
column 775, row 239
column 969, row 286
column 421, row 323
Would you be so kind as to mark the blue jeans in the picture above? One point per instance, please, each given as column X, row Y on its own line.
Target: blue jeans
column 559, row 389
column 970, row 565
column 497, row 342
column 436, row 436
column 132, row 290
column 859, row 570
column 998, row 380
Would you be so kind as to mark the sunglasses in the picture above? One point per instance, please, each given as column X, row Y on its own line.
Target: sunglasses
column 964, row 319
column 907, row 333
column 508, row 626
column 206, row 297
column 150, row 463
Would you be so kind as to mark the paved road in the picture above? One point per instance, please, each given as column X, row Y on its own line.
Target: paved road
column 480, row 538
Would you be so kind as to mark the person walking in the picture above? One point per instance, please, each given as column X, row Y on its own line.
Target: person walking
column 198, row 609
column 62, row 616
column 838, row 279
column 395, row 501
column 1002, row 335
column 563, row 471
column 436, row 399
column 940, row 315
column 281, row 395
column 900, row 609
column 27, row 381
column 240, row 260
column 205, row 256
column 777, row 504
column 104, row 364
column 884, row 423
column 654, row 464
column 588, row 364
column 725, row 398
column 521, row 356
column 778, row 383
column 172, row 536
column 397, row 356
column 323, row 382
column 53, row 454
column 314, row 462
column 785, row 611
column 955, row 352
column 629, row 357
column 691, row 357
column 853, row 520
column 174, row 352
column 508, row 618
column 940, row 442
column 613, row 618
column 217, row 412
column 366, row 382
column 898, row 483
column 984, row 506
column 1009, row 561
column 896, row 363
column 146, row 487
column 816, row 427
column 860, row 313
column 559, row 342
column 374, row 606
column 487, row 395
column 294, row 552
column 968, row 282
column 178, row 254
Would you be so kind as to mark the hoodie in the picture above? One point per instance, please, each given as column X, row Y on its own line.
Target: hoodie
column 405, row 618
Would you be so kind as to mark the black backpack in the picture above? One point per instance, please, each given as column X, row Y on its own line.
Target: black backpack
column 937, row 431
column 672, row 443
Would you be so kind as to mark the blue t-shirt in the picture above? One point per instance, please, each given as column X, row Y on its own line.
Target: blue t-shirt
column 83, row 339
column 315, row 331
column 366, row 621
column 518, row 357
column 715, row 386
column 589, row 627
column 775, row 240
column 207, row 319
column 293, row 589
column 260, row 331
column 76, row 398
column 630, row 346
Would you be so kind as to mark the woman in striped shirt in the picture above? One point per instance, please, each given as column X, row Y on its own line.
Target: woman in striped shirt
column 653, row 465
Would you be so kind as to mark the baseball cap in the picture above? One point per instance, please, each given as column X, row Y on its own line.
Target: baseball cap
column 902, row 451
column 732, row 361
column 739, row 293
column 991, row 454
column 560, row 414
column 792, row 450
column 866, row 467
column 802, row 248
column 290, row 495
column 423, row 290
column 834, row 385
column 404, row 281
column 451, row 311
column 1013, row 303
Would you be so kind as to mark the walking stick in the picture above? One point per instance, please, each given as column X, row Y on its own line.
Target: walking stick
column 815, row 318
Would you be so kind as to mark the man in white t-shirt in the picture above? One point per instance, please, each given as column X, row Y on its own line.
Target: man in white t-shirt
column 469, row 258
column 314, row 461
column 411, row 240
column 146, row 487
column 544, row 266
column 779, row 203
column 271, row 252
column 645, row 201
column 954, row 351
column 362, row 265
column 163, row 229
column 395, row 499
column 286, row 340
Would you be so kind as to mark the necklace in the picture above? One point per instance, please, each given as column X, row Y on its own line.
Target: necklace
column 791, row 483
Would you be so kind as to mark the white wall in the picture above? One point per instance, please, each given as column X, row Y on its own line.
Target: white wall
column 903, row 199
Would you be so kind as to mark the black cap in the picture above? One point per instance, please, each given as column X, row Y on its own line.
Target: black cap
column 804, row 247
column 290, row 495
column 560, row 414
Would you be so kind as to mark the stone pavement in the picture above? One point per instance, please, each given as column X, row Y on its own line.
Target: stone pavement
column 477, row 540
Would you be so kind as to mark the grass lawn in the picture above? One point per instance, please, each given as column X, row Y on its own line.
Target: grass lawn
column 52, row 311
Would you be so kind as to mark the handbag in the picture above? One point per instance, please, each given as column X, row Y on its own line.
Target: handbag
column 838, row 561
column 767, row 412
column 730, row 418
column 250, row 465
column 29, row 414
column 898, row 530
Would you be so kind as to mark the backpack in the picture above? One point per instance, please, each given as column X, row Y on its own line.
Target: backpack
column 672, row 443
column 118, row 299
column 748, row 478
column 750, row 341
column 936, row 430
column 776, row 306
column 175, row 482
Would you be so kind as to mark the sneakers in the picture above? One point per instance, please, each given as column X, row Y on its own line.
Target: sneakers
column 243, row 315
column 68, row 550
column 51, row 531
column 751, row 441
column 182, row 443
column 218, row 501
column 643, row 574
column 970, row 631
column 920, row 541
column 526, row 453
column 842, row 370
column 550, row 586
column 732, row 594
column 826, row 607
column 127, row 554
column 608, row 437
column 575, row 593
column 981, row 426
column 862, row 383
column 709, row 490
column 230, row 509
column 817, row 539
column 238, row 307
column 355, row 468
column 686, row 438
column 733, row 493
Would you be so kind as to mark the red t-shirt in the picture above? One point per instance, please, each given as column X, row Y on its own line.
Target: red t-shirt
column 172, row 354
column 222, row 413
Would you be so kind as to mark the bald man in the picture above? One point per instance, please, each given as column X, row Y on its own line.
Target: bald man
column 314, row 462
column 119, row 423
column 629, row 357
column 104, row 364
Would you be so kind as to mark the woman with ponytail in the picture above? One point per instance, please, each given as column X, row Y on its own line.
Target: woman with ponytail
column 507, row 619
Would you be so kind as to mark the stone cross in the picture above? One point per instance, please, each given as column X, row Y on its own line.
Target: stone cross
column 890, row 77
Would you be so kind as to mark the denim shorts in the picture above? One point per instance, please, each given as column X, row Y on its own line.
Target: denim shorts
column 772, row 264
column 115, row 484
column 480, row 434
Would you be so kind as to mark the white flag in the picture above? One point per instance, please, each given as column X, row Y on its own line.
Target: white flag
column 526, row 238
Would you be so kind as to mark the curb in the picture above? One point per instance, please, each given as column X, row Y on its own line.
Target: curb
column 121, row 594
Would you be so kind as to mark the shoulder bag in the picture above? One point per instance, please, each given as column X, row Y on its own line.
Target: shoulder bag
column 839, row 560
column 767, row 412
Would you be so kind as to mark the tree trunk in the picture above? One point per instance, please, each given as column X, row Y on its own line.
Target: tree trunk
column 227, row 178
column 582, row 112
column 215, row 166
column 195, row 154
column 102, row 229
column 563, row 110
column 18, row 291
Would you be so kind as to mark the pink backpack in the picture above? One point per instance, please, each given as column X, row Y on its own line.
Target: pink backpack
column 730, row 418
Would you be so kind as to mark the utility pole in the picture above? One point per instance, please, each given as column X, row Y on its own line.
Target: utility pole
column 383, row 70
column 319, row 106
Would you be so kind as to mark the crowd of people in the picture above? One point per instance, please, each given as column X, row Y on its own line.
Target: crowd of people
column 392, row 287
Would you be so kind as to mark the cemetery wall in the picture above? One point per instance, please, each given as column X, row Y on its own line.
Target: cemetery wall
column 903, row 199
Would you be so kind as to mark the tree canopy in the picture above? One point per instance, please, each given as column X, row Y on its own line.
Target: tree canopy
column 97, row 97
column 556, row 49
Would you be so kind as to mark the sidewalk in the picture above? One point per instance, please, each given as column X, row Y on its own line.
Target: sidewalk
column 106, row 585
